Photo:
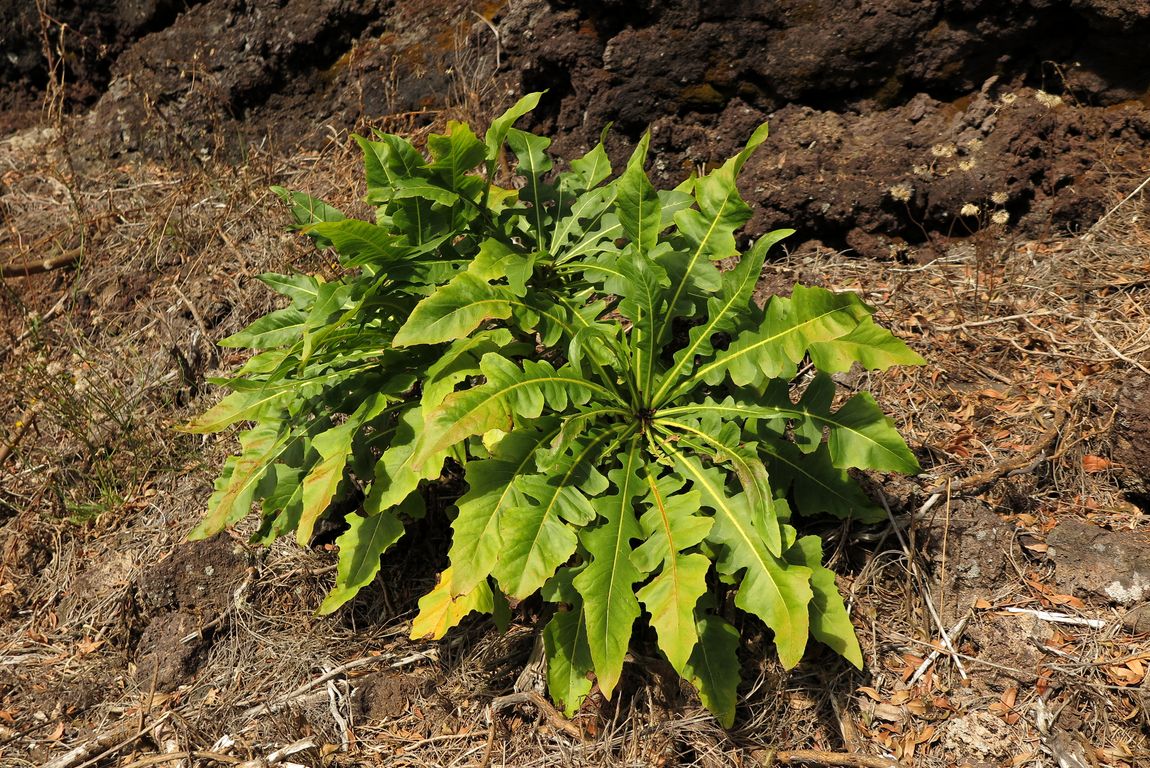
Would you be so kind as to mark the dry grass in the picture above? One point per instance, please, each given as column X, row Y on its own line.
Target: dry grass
column 1020, row 337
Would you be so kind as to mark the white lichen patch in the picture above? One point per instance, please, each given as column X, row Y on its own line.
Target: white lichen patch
column 1135, row 590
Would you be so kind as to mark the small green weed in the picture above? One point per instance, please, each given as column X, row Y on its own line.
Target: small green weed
column 621, row 407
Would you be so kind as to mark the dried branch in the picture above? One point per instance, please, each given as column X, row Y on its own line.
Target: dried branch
column 769, row 759
column 36, row 266
column 543, row 705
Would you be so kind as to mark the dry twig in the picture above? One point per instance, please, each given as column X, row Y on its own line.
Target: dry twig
column 976, row 483
column 23, row 424
column 769, row 759
column 36, row 266
column 543, row 705
column 107, row 743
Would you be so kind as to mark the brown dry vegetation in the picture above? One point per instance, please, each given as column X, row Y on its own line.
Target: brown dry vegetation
column 119, row 638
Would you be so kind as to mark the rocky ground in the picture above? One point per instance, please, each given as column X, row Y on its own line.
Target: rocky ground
column 976, row 170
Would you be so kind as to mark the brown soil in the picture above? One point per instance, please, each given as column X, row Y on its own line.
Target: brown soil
column 974, row 169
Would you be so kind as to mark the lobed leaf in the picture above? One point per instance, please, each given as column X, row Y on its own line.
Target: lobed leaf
column 492, row 491
column 333, row 446
column 235, row 489
column 790, row 327
column 607, row 583
column 830, row 623
column 714, row 667
column 360, row 548
column 509, row 392
column 776, row 591
column 569, row 661
column 637, row 204
column 454, row 311
column 442, row 608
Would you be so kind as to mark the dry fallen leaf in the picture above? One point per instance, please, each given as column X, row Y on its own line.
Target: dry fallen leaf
column 1092, row 463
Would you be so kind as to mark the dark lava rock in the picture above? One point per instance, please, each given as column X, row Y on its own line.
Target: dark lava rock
column 184, row 596
column 977, row 565
column 889, row 118
column 82, row 39
column 1094, row 562
column 1130, row 435
column 1137, row 620
column 976, row 557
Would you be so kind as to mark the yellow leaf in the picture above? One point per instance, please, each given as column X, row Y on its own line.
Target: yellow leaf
column 439, row 610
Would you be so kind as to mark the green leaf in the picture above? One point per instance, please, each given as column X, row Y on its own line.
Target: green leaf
column 442, row 608
column 568, row 659
column 238, row 406
column 870, row 345
column 709, row 232
column 771, row 588
column 360, row 547
column 536, row 535
column 236, row 486
column 308, row 210
column 455, row 154
column 497, row 132
column 385, row 161
column 862, row 436
column 589, row 171
column 724, row 310
column 496, row 260
column 670, row 598
column 830, row 623
column 459, row 361
column 638, row 205
column 670, row 526
column 301, row 289
column 533, row 164
column 423, row 189
column 333, row 446
column 722, row 444
column 643, row 286
column 815, row 402
column 454, row 311
column 586, row 226
column 395, row 478
column 535, row 542
column 508, row 392
column 275, row 329
column 714, row 668
column 790, row 327
column 817, row 485
column 359, row 242
column 492, row 490
column 607, row 583
column 282, row 503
